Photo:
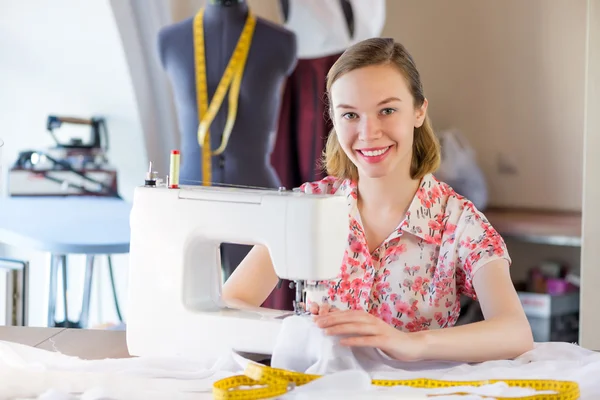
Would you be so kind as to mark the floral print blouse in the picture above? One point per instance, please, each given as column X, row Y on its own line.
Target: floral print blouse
column 415, row 278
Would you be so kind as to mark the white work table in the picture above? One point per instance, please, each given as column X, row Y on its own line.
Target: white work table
column 87, row 344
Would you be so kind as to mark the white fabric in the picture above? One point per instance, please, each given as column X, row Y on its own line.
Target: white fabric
column 27, row 372
column 321, row 29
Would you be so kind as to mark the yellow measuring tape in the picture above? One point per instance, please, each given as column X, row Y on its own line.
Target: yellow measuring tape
column 262, row 382
column 231, row 80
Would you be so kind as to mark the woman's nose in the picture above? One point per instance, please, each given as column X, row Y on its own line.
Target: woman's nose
column 369, row 129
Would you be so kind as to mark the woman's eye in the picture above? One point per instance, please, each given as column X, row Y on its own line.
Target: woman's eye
column 349, row 115
column 388, row 111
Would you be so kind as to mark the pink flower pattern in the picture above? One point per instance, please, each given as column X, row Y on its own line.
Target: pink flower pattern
column 414, row 280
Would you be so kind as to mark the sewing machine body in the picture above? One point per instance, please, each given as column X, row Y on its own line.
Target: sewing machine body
column 174, row 299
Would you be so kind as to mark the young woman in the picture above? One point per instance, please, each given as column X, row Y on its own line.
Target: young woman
column 415, row 246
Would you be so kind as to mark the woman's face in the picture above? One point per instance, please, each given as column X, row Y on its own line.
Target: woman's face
column 374, row 118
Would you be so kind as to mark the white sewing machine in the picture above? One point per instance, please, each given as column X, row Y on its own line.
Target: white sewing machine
column 174, row 304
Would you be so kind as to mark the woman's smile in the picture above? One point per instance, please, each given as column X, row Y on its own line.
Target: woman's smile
column 374, row 155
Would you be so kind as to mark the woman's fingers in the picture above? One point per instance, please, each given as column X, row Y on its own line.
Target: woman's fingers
column 313, row 308
column 349, row 316
column 362, row 341
column 324, row 309
column 353, row 329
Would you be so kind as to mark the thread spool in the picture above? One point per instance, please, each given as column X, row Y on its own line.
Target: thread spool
column 174, row 170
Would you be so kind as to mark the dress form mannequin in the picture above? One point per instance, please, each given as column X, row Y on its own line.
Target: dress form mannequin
column 271, row 59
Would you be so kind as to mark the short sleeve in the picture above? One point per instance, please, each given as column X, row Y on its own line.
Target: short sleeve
column 478, row 243
column 327, row 185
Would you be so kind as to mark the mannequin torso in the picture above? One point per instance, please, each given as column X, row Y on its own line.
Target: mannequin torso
column 271, row 59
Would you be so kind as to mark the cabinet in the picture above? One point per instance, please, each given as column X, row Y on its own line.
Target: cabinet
column 552, row 317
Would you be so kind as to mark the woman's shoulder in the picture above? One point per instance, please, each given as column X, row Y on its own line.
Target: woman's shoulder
column 454, row 205
column 451, row 217
column 468, row 226
column 465, row 234
column 327, row 185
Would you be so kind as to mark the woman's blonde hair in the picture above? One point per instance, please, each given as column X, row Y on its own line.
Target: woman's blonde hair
column 426, row 148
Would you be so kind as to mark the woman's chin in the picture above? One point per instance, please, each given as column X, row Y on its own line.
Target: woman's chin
column 372, row 172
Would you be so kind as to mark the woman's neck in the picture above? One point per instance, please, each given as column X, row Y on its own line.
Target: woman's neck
column 385, row 194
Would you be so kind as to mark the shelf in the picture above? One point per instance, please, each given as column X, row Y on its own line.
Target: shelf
column 537, row 226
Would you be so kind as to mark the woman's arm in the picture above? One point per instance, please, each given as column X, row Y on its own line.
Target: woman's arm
column 505, row 333
column 252, row 281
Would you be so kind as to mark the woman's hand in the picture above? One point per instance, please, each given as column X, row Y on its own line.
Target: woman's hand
column 362, row 329
column 322, row 309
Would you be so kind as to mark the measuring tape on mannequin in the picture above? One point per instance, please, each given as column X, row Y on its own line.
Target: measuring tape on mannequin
column 275, row 382
column 231, row 80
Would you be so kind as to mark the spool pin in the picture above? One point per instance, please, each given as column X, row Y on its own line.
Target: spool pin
column 174, row 170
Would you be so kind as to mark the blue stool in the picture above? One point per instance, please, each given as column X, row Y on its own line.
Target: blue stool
column 65, row 226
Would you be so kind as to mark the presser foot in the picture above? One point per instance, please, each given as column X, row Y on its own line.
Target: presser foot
column 299, row 309
column 299, row 303
column 301, row 286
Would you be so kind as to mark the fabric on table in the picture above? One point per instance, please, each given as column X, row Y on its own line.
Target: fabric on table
column 35, row 373
column 324, row 355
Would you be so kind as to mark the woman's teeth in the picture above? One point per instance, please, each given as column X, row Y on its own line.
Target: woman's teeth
column 374, row 153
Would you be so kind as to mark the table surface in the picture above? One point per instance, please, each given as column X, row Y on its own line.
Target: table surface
column 538, row 226
column 66, row 225
column 87, row 344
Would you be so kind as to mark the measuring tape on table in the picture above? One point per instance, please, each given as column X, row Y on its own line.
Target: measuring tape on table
column 275, row 382
column 231, row 80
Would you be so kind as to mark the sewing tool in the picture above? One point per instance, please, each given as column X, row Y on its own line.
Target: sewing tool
column 273, row 382
column 174, row 169
column 175, row 267
column 231, row 80
column 150, row 176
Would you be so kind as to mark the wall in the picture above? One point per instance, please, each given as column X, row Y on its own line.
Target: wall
column 67, row 58
column 590, row 296
column 510, row 75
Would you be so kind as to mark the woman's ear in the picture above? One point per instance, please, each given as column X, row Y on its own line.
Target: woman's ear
column 420, row 113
